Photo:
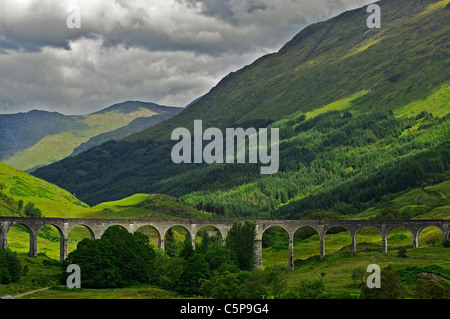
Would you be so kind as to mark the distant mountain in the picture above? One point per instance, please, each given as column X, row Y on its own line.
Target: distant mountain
column 38, row 138
column 363, row 113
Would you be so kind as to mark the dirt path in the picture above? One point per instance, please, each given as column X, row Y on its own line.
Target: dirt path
column 29, row 293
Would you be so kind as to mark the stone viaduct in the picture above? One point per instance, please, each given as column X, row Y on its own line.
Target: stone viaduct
column 98, row 226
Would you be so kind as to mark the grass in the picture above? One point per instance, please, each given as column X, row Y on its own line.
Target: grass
column 40, row 275
column 336, row 269
column 143, row 292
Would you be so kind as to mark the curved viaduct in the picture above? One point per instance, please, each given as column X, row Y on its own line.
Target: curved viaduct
column 98, row 226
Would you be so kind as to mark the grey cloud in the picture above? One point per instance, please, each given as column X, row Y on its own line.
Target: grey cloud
column 166, row 51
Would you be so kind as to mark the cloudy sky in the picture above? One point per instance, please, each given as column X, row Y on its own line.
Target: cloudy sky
column 164, row 51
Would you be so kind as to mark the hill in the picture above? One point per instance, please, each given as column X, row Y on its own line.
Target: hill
column 53, row 201
column 362, row 114
column 38, row 138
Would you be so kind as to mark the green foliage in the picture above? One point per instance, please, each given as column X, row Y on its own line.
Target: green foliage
column 186, row 248
column 118, row 259
column 409, row 274
column 308, row 289
column 195, row 270
column 350, row 134
column 241, row 241
column 428, row 288
column 391, row 286
column 32, row 211
column 216, row 256
column 358, row 276
column 225, row 285
column 10, row 267
column 402, row 252
column 170, row 245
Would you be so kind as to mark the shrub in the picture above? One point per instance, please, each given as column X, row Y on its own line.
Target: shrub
column 116, row 260
column 10, row 267
column 403, row 252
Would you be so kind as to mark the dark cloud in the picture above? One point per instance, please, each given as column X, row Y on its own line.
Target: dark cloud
column 168, row 52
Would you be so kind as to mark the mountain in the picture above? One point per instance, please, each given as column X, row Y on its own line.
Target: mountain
column 37, row 138
column 362, row 113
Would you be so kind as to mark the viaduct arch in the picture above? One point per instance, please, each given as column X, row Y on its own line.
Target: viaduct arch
column 98, row 226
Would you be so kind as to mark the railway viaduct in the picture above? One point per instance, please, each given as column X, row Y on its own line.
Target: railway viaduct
column 97, row 227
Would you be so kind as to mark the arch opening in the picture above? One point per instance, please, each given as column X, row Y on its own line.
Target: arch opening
column 152, row 233
column 306, row 245
column 77, row 234
column 206, row 236
column 399, row 237
column 19, row 239
column 49, row 241
column 368, row 238
column 337, row 239
column 173, row 239
column 430, row 236
column 114, row 226
column 275, row 247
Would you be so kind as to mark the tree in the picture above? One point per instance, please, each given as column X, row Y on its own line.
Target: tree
column 358, row 275
column 10, row 267
column 186, row 247
column 223, row 286
column 206, row 241
column 216, row 256
column 391, row 286
column 32, row 211
column 194, row 271
column 241, row 241
column 170, row 245
column 117, row 259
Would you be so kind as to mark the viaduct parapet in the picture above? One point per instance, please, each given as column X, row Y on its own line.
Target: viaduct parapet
column 97, row 227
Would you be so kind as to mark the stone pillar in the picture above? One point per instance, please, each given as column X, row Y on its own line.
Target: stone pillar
column 3, row 242
column 353, row 235
column 258, row 253
column 291, row 252
column 161, row 243
column 384, row 248
column 63, row 248
column 33, row 244
column 322, row 246
column 415, row 239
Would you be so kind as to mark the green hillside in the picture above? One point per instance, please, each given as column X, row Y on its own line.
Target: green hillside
column 363, row 114
column 52, row 200
column 17, row 189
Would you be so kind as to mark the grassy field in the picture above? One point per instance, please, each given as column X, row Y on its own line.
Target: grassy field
column 335, row 270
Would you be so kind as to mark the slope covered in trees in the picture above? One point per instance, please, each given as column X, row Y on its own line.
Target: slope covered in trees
column 362, row 114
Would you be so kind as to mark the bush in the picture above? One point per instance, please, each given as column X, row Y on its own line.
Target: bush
column 10, row 267
column 391, row 286
column 307, row 289
column 427, row 288
column 403, row 252
column 32, row 211
column 118, row 259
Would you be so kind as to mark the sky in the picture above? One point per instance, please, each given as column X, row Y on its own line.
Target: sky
column 80, row 56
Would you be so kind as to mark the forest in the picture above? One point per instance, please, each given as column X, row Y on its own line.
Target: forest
column 347, row 161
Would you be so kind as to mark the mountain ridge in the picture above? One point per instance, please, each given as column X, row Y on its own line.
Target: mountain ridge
column 37, row 138
column 383, row 90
